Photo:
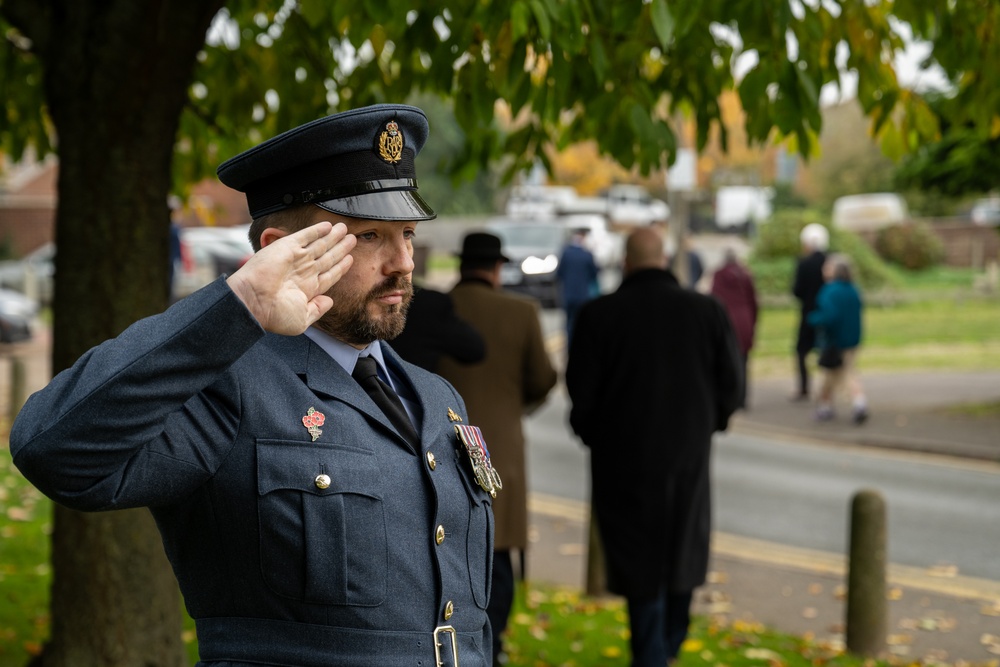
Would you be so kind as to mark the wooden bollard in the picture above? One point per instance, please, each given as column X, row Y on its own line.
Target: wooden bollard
column 866, row 591
column 17, row 387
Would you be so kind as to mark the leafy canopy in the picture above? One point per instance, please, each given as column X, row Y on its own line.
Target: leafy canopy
column 559, row 71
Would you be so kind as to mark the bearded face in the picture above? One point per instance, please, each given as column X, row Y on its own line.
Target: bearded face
column 359, row 319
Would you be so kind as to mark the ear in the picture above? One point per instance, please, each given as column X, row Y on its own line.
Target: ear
column 270, row 235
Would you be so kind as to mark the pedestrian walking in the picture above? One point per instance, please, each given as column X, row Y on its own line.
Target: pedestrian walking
column 514, row 378
column 577, row 274
column 838, row 319
column 653, row 372
column 733, row 285
column 815, row 239
column 314, row 497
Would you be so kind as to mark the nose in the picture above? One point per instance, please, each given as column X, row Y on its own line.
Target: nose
column 401, row 256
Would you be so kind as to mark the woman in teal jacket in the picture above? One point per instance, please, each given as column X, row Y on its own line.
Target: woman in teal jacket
column 838, row 320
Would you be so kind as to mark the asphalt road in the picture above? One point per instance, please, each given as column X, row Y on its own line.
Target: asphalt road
column 941, row 515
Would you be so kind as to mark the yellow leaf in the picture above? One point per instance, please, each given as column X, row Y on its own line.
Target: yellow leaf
column 611, row 652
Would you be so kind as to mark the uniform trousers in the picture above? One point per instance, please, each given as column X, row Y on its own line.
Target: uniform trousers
column 501, row 598
column 659, row 627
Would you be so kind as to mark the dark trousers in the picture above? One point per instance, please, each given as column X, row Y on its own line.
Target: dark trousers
column 501, row 598
column 659, row 627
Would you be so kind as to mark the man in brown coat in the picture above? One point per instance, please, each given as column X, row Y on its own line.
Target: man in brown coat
column 515, row 376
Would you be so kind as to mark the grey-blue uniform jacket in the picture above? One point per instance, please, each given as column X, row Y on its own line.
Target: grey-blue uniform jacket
column 198, row 414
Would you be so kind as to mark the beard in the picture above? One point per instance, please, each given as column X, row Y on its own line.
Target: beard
column 351, row 319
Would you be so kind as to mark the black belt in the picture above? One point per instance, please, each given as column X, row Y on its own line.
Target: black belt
column 288, row 644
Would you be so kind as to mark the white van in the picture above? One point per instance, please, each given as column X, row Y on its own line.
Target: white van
column 868, row 212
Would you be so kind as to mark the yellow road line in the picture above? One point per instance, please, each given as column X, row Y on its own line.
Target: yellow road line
column 809, row 560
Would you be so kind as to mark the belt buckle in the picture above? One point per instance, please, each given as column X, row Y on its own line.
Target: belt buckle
column 441, row 630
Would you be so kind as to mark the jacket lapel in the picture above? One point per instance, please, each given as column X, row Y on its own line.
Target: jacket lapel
column 326, row 377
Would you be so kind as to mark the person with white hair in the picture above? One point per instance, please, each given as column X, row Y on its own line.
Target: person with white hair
column 815, row 240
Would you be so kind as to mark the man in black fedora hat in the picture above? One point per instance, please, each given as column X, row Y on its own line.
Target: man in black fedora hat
column 515, row 376
column 315, row 498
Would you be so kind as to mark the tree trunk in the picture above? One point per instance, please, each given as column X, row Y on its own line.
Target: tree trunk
column 117, row 73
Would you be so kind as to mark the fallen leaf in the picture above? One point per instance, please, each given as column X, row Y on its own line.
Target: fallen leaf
column 895, row 593
column 810, row 612
column 718, row 578
column 18, row 514
column 762, row 654
column 943, row 570
column 815, row 589
column 991, row 609
column 899, row 640
column 611, row 652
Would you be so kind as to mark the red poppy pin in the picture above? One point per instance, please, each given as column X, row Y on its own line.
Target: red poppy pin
column 312, row 421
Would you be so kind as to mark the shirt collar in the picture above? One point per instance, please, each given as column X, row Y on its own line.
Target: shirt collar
column 347, row 355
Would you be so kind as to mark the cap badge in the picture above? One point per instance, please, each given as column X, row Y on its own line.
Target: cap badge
column 312, row 421
column 390, row 143
column 453, row 416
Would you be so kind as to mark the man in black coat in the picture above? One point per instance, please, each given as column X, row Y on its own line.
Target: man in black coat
column 434, row 330
column 808, row 280
column 653, row 371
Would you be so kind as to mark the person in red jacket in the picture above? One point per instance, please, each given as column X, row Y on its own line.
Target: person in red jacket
column 733, row 285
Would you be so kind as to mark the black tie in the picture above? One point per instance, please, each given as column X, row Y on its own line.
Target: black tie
column 366, row 374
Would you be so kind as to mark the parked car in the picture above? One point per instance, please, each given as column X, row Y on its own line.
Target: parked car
column 17, row 315
column 533, row 248
column 207, row 253
column 33, row 275
column 986, row 212
column 869, row 212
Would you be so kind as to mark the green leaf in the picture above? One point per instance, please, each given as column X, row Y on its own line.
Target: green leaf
column 663, row 22
column 542, row 17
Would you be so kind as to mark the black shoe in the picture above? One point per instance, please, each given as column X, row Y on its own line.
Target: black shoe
column 860, row 416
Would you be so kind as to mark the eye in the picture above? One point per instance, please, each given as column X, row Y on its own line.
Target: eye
column 409, row 234
column 367, row 236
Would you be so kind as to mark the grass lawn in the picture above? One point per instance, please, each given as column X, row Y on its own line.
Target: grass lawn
column 955, row 334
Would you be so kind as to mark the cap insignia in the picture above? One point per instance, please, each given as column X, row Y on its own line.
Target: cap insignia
column 390, row 143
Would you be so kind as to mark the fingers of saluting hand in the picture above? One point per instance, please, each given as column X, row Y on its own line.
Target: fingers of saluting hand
column 284, row 284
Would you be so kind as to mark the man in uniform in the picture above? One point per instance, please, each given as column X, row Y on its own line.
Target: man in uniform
column 653, row 372
column 515, row 377
column 311, row 518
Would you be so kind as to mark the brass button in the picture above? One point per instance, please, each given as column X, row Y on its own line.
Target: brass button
column 431, row 461
column 439, row 535
column 449, row 609
column 322, row 481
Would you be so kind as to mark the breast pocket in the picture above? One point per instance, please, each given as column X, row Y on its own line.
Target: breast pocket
column 479, row 547
column 322, row 523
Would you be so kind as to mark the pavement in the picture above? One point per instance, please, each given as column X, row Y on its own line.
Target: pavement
column 934, row 615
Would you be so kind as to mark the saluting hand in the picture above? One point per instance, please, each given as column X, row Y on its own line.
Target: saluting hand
column 284, row 284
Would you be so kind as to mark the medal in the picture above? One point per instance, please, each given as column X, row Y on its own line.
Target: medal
column 475, row 446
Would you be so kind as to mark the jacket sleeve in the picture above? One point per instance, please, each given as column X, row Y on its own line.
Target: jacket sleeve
column 144, row 418
column 825, row 314
column 728, row 371
column 583, row 379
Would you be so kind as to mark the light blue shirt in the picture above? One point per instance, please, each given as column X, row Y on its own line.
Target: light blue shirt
column 347, row 356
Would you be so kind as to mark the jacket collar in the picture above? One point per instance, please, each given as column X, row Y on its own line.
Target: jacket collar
column 643, row 276
column 323, row 375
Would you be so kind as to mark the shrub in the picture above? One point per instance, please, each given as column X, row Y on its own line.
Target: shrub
column 911, row 245
column 777, row 246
